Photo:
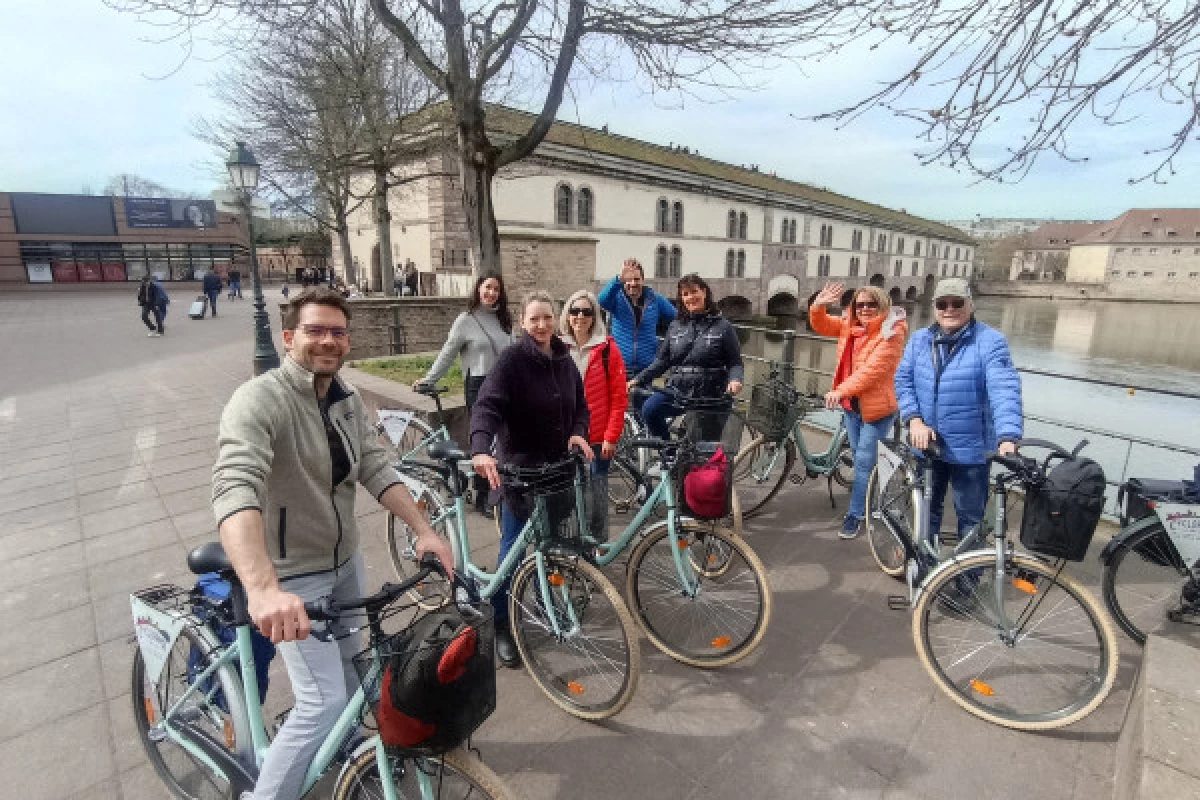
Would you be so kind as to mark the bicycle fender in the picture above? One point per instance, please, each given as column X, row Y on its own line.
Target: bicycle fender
column 240, row 778
column 1124, row 534
column 365, row 744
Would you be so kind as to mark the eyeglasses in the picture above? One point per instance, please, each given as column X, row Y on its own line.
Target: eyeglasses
column 321, row 331
column 867, row 304
column 586, row 312
column 950, row 302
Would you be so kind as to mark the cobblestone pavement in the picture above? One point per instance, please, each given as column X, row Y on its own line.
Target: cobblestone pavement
column 106, row 442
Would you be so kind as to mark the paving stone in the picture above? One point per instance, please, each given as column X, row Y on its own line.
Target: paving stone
column 122, row 518
column 26, row 542
column 130, row 542
column 116, row 663
column 45, row 598
column 118, row 478
column 29, row 643
column 48, row 692
column 42, row 565
column 123, row 495
column 201, row 477
column 147, row 568
column 61, row 757
column 61, row 477
column 197, row 499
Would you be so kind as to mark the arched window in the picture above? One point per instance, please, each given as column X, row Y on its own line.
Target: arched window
column 823, row 266
column 584, row 216
column 663, row 218
column 882, row 243
column 784, row 228
column 955, row 272
column 933, row 251
column 793, row 236
column 677, row 218
column 826, row 239
column 917, row 247
column 943, row 270
column 562, row 208
column 854, row 262
column 741, row 261
column 660, row 262
column 916, row 268
column 956, row 252
column 676, row 264
column 900, row 245
column 731, row 226
column 743, row 225
column 856, row 240
column 730, row 264
column 899, row 266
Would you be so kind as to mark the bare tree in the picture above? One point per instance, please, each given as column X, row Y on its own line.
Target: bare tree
column 473, row 52
column 1043, row 65
column 129, row 185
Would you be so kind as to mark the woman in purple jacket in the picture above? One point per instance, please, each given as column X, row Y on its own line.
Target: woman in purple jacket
column 532, row 402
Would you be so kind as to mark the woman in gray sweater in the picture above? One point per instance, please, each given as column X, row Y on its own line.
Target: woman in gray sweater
column 477, row 336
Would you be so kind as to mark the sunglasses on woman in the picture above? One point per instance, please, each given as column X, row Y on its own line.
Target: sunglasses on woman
column 577, row 311
column 950, row 302
column 867, row 304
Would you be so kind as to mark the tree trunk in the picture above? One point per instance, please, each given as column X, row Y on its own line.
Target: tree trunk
column 343, row 237
column 476, row 171
column 383, row 223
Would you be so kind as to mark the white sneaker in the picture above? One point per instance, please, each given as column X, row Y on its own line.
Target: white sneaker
column 155, row 333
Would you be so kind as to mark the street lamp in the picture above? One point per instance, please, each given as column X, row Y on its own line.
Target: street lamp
column 243, row 174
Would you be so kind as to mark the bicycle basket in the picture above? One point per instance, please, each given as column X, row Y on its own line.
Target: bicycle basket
column 703, row 473
column 558, row 500
column 1061, row 514
column 774, row 409
column 431, row 685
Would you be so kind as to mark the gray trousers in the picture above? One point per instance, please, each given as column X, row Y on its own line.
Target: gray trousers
column 323, row 681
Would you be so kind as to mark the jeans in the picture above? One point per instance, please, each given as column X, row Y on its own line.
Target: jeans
column 212, row 300
column 658, row 411
column 235, row 289
column 510, row 531
column 158, row 315
column 598, row 514
column 864, row 436
column 970, row 482
column 323, row 681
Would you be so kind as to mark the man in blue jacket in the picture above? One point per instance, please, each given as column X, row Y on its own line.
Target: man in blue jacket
column 212, row 288
column 636, row 310
column 957, row 384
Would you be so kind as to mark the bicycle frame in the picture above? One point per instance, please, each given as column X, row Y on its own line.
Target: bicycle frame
column 824, row 462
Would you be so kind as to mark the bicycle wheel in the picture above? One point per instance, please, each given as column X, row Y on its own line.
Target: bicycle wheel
column 453, row 776
column 434, row 591
column 624, row 483
column 843, row 471
column 220, row 714
column 1058, row 667
column 1143, row 581
column 760, row 471
column 591, row 669
column 894, row 499
column 417, row 431
column 724, row 620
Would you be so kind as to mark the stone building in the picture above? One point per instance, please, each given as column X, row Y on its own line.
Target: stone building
column 588, row 199
column 1043, row 253
column 1147, row 253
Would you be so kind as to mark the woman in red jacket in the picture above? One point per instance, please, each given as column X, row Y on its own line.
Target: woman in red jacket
column 599, row 361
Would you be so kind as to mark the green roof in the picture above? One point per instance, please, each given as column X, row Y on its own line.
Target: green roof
column 513, row 122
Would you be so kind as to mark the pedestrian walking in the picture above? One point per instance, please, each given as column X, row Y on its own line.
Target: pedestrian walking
column 636, row 310
column 532, row 403
column 212, row 288
column 599, row 360
column 871, row 337
column 956, row 383
column 411, row 279
column 235, row 283
column 478, row 336
column 700, row 354
column 152, row 298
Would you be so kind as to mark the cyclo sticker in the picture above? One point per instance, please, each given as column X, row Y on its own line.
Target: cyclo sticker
column 395, row 423
column 1182, row 523
column 156, row 633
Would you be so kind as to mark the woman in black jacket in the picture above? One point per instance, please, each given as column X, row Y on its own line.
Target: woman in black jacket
column 701, row 351
column 532, row 402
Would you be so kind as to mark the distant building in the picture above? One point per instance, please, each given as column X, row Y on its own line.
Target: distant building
column 1146, row 252
column 1043, row 253
column 996, row 227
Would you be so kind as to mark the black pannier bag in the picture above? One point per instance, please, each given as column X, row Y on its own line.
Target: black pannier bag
column 1062, row 513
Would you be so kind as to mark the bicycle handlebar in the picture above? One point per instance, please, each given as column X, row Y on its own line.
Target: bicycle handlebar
column 325, row 609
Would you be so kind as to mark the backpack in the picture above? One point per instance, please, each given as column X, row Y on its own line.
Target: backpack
column 706, row 487
column 1061, row 514
column 438, row 683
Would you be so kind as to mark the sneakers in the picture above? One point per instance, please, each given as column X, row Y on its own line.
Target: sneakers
column 153, row 334
column 506, row 649
column 850, row 527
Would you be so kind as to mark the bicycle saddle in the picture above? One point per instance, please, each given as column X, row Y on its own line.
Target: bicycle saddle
column 447, row 450
column 209, row 557
column 430, row 390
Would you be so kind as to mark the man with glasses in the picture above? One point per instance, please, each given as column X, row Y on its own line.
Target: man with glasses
column 957, row 384
column 636, row 311
column 293, row 444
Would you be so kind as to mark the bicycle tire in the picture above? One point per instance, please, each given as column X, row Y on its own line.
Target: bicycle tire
column 359, row 779
column 1155, row 554
column 418, row 430
column 1042, row 578
column 433, row 592
column 756, row 486
column 530, row 629
column 235, row 721
column 843, row 470
column 886, row 549
column 652, row 580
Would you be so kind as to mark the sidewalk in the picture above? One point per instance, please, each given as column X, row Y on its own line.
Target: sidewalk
column 107, row 438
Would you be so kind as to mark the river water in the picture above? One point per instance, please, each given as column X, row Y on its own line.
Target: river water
column 1134, row 344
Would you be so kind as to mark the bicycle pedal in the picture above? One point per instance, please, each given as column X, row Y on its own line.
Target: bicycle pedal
column 897, row 602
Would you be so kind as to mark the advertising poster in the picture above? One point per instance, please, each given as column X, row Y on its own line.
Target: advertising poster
column 39, row 273
column 169, row 212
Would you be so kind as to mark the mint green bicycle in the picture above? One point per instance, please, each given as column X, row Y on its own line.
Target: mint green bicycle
column 197, row 704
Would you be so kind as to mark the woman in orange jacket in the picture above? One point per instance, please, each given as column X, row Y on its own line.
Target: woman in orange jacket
column 871, row 338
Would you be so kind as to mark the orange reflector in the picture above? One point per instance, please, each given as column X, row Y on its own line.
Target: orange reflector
column 721, row 641
column 230, row 741
column 1150, row 504
column 683, row 545
column 1024, row 585
column 149, row 710
column 555, row 579
column 575, row 688
column 982, row 688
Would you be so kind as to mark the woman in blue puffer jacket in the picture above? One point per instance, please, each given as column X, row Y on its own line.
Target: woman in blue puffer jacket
column 957, row 383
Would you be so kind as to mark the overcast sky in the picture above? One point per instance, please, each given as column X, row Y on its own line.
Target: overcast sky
column 87, row 94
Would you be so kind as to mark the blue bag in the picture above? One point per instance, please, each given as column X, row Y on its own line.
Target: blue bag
column 217, row 589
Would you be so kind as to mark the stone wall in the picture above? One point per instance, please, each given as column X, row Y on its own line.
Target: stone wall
column 1090, row 291
column 560, row 265
column 382, row 326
